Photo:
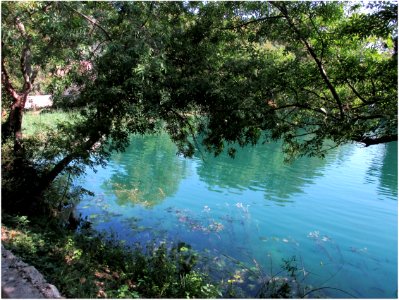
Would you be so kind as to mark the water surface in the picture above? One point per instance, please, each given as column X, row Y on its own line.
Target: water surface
column 337, row 216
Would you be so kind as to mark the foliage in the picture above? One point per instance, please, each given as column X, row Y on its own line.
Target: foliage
column 88, row 265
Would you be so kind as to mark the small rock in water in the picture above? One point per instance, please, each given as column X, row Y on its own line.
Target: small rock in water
column 325, row 238
column 314, row 234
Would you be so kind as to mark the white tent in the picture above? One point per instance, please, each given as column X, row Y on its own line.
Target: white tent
column 38, row 101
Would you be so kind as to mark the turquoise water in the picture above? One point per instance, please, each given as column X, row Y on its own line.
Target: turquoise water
column 337, row 216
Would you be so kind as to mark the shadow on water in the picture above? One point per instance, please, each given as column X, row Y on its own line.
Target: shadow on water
column 149, row 171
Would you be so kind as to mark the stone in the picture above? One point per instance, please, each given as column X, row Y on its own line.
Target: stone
column 21, row 281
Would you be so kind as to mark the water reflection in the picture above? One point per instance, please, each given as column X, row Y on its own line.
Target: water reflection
column 384, row 166
column 260, row 168
column 147, row 172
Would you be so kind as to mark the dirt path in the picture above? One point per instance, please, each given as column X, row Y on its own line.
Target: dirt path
column 21, row 281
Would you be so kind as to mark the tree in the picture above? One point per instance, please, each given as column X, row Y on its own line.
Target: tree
column 38, row 40
column 219, row 73
column 333, row 75
column 39, row 37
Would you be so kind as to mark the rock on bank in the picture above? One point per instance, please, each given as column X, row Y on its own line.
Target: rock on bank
column 21, row 281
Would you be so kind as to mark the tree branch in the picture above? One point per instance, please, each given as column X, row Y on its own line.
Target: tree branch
column 368, row 141
column 148, row 17
column 356, row 92
column 26, row 68
column 49, row 177
column 184, row 120
column 25, row 62
column 314, row 93
column 313, row 54
column 93, row 53
column 323, row 45
column 89, row 19
column 301, row 106
column 5, row 79
column 20, row 26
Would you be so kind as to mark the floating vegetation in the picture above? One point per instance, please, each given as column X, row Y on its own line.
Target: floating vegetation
column 325, row 238
column 133, row 219
column 206, row 209
column 229, row 219
column 93, row 216
column 216, row 226
column 358, row 250
column 169, row 209
column 242, row 207
column 187, row 218
column 316, row 236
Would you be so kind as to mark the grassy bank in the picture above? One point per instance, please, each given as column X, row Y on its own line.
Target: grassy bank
column 86, row 264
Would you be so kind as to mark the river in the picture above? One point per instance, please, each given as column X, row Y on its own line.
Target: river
column 337, row 216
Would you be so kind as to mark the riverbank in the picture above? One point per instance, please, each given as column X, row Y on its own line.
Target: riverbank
column 86, row 264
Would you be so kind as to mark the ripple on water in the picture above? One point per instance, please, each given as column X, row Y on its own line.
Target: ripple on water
column 350, row 199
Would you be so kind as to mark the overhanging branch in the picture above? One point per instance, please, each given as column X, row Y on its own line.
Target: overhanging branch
column 368, row 141
column 309, row 48
column 90, row 20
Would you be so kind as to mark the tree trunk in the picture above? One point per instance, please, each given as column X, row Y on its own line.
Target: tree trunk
column 47, row 179
column 13, row 125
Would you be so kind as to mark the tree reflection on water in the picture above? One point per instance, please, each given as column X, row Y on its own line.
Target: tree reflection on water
column 147, row 172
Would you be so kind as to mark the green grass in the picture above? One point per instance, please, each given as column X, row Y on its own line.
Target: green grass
column 38, row 122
